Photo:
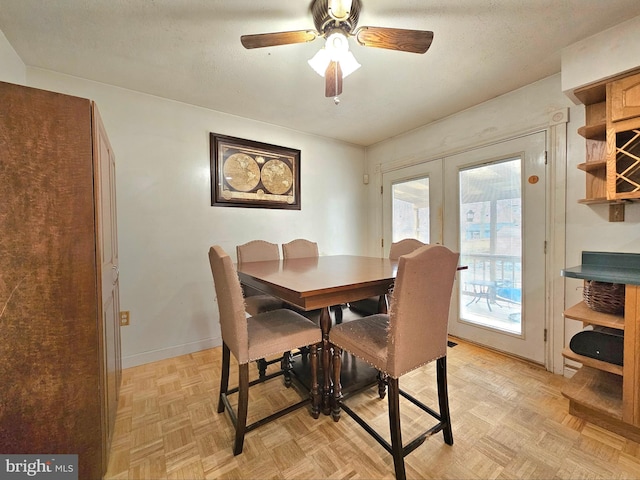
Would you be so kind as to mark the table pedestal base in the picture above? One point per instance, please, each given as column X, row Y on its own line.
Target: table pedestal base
column 356, row 375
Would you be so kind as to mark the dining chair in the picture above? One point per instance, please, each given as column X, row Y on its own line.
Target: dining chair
column 369, row 306
column 249, row 339
column 259, row 251
column 404, row 246
column 255, row 302
column 299, row 248
column 413, row 334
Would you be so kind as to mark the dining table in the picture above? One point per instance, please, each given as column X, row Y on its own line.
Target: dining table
column 319, row 283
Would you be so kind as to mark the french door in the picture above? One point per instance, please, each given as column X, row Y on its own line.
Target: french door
column 491, row 207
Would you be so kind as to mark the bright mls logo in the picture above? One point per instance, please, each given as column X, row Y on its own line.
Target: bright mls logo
column 49, row 467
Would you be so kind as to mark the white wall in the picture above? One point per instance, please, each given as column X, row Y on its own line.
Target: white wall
column 12, row 68
column 601, row 56
column 587, row 227
column 166, row 223
column 511, row 114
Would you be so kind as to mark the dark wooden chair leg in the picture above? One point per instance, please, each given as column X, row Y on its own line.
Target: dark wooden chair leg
column 382, row 384
column 262, row 367
column 337, row 312
column 243, row 403
column 383, row 304
column 337, row 387
column 224, row 378
column 443, row 399
column 315, row 389
column 286, row 365
column 394, row 425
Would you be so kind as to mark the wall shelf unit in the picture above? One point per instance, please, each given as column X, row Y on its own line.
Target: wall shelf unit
column 612, row 136
column 604, row 393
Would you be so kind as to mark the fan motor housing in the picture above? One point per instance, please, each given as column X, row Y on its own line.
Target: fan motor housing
column 324, row 22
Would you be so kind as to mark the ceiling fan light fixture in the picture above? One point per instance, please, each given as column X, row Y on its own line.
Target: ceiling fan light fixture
column 336, row 49
column 321, row 60
column 336, row 21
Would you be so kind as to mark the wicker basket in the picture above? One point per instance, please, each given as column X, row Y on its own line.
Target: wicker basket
column 604, row 297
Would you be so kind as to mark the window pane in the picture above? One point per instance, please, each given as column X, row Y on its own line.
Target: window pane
column 410, row 204
column 491, row 245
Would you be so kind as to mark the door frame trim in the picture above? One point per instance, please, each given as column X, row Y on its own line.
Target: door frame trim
column 555, row 228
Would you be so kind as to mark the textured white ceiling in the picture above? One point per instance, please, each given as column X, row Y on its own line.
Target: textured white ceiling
column 190, row 51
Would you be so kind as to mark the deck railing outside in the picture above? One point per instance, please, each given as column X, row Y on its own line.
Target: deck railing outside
column 502, row 271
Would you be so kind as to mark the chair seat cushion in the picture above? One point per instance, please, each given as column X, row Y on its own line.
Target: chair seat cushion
column 256, row 304
column 366, row 338
column 277, row 331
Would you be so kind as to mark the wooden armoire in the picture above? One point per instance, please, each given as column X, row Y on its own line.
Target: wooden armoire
column 60, row 364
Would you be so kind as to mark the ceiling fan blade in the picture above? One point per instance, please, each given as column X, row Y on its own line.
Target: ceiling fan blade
column 279, row 38
column 414, row 41
column 333, row 79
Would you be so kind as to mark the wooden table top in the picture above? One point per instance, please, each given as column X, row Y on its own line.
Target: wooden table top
column 323, row 281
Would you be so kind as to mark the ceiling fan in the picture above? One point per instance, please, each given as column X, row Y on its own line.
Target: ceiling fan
column 336, row 20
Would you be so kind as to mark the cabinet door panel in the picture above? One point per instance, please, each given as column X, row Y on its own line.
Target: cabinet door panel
column 625, row 98
column 108, row 263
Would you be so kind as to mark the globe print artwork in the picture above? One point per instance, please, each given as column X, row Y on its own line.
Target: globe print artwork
column 277, row 177
column 242, row 172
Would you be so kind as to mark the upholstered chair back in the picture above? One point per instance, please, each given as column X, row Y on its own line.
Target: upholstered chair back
column 257, row 251
column 233, row 321
column 299, row 248
column 419, row 308
column 403, row 247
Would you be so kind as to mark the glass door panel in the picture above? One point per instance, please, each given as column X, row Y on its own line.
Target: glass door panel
column 410, row 216
column 491, row 245
column 412, row 204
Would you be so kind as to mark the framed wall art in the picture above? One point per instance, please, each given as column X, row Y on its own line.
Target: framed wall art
column 245, row 173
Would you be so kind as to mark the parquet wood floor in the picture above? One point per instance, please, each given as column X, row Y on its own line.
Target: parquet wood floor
column 510, row 421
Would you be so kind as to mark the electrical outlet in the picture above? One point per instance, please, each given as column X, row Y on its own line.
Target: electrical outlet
column 124, row 318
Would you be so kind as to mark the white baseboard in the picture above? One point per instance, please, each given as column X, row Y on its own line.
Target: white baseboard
column 169, row 352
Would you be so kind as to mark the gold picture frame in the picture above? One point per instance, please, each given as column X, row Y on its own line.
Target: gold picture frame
column 245, row 173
